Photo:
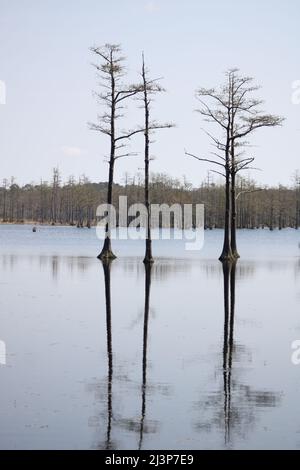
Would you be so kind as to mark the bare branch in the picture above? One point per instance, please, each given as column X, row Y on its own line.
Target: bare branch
column 129, row 154
column 218, row 173
column 129, row 134
column 204, row 159
column 99, row 128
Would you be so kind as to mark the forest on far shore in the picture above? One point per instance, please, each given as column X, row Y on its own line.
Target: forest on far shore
column 75, row 201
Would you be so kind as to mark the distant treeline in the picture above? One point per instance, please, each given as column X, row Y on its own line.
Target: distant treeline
column 75, row 202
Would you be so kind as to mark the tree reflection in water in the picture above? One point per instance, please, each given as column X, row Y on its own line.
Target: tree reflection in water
column 234, row 407
column 106, row 268
column 148, row 268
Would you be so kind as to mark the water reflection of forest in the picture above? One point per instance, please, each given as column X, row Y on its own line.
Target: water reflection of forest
column 162, row 269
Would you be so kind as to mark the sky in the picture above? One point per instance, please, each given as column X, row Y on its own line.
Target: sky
column 47, row 82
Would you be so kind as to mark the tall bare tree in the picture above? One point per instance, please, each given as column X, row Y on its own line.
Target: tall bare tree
column 246, row 118
column 113, row 96
column 237, row 114
column 150, row 87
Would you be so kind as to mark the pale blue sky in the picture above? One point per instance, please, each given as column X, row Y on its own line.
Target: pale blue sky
column 45, row 63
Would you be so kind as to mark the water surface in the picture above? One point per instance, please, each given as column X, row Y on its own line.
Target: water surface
column 189, row 355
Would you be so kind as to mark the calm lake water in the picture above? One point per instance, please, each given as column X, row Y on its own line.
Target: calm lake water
column 187, row 356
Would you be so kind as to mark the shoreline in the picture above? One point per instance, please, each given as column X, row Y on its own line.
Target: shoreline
column 41, row 224
column 48, row 224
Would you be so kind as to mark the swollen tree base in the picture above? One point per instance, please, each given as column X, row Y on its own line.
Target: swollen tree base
column 227, row 257
column 148, row 251
column 235, row 254
column 106, row 253
column 229, row 253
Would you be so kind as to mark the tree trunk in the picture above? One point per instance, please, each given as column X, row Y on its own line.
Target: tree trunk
column 106, row 253
column 148, row 255
column 235, row 253
column 227, row 253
